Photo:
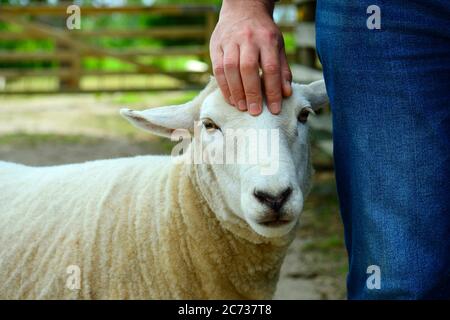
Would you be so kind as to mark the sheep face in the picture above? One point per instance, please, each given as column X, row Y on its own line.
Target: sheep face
column 256, row 169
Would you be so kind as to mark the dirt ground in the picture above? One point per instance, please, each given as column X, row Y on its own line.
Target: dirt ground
column 48, row 130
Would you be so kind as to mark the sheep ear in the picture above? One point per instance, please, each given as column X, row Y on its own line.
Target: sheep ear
column 316, row 94
column 163, row 121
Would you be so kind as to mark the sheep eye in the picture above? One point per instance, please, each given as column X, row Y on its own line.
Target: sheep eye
column 210, row 125
column 304, row 113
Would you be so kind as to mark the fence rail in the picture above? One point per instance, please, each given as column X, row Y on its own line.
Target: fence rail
column 70, row 47
column 176, row 10
column 64, row 66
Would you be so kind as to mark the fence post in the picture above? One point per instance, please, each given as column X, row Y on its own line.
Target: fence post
column 72, row 82
column 75, row 71
column 305, row 37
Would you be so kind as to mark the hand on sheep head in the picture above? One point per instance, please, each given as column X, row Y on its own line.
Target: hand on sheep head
column 245, row 41
column 268, row 175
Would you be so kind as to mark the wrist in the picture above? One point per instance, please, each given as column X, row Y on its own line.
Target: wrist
column 249, row 6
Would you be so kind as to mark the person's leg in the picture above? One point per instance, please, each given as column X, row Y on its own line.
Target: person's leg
column 390, row 97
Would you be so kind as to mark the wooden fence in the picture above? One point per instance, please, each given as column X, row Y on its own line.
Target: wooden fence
column 66, row 72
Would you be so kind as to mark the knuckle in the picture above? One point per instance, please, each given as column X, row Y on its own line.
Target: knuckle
column 249, row 66
column 247, row 34
column 273, row 94
column 252, row 95
column 218, row 70
column 237, row 94
column 272, row 37
column 230, row 64
column 271, row 68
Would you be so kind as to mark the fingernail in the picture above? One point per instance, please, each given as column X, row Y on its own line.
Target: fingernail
column 275, row 107
column 231, row 100
column 253, row 108
column 242, row 105
column 288, row 87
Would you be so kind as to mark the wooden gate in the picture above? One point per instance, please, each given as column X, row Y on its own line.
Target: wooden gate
column 64, row 68
column 74, row 60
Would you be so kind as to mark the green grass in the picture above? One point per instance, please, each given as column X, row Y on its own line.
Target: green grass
column 322, row 225
column 109, row 124
column 144, row 98
column 324, row 205
column 326, row 245
column 131, row 98
column 187, row 96
column 23, row 139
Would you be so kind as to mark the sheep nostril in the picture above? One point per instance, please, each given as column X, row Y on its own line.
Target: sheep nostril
column 286, row 193
column 273, row 201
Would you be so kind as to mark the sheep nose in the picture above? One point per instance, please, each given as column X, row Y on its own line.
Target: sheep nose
column 273, row 201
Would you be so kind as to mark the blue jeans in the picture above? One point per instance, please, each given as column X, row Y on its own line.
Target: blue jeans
column 389, row 90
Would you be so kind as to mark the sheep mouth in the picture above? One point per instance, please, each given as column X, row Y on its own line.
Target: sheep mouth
column 275, row 223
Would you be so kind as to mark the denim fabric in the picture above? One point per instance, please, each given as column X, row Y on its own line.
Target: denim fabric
column 390, row 97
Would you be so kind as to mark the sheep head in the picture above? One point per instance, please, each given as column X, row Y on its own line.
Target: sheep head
column 258, row 167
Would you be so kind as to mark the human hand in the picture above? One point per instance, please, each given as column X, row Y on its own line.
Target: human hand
column 245, row 40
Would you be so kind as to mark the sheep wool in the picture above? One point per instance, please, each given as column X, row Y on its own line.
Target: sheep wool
column 130, row 228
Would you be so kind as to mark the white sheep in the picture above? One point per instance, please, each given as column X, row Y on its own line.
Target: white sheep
column 150, row 227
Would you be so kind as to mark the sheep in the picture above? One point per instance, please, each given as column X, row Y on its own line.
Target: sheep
column 155, row 227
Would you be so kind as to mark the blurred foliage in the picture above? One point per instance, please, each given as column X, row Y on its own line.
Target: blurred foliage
column 23, row 139
column 114, row 22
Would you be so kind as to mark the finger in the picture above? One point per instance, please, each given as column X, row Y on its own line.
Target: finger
column 286, row 74
column 233, row 77
column 270, row 64
column 219, row 72
column 251, row 80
